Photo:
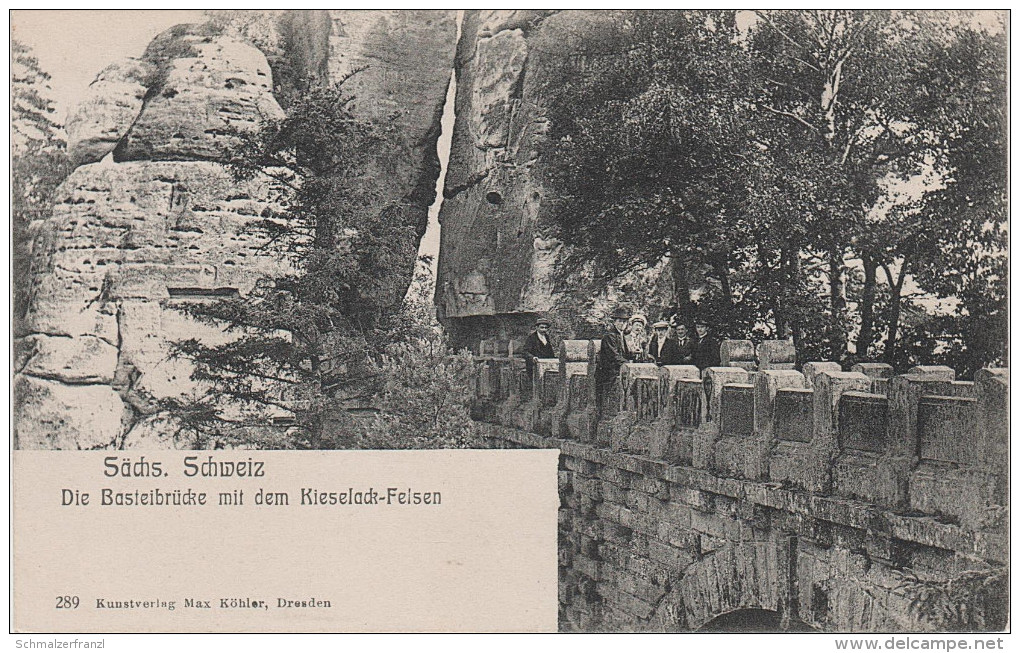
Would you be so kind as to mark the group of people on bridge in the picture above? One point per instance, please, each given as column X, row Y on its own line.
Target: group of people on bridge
column 627, row 341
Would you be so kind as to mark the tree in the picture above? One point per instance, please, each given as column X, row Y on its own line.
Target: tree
column 768, row 154
column 856, row 102
column 423, row 400
column 646, row 150
column 307, row 340
column 39, row 162
column 961, row 250
column 827, row 86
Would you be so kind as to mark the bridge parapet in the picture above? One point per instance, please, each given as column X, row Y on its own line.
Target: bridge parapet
column 777, row 355
column 920, row 441
column 834, row 481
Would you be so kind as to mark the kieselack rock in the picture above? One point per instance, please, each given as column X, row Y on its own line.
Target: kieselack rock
column 497, row 252
column 110, row 105
column 134, row 239
column 204, row 86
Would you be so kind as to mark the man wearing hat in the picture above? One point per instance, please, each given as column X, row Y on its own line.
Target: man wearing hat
column 538, row 344
column 663, row 349
column 612, row 354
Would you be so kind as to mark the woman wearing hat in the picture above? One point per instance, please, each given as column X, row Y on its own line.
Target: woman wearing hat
column 637, row 337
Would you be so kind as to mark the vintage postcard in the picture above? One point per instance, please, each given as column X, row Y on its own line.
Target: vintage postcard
column 685, row 321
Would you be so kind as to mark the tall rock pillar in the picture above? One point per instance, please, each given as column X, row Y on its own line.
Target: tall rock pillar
column 497, row 254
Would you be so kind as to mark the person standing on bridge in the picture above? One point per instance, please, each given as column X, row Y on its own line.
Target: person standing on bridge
column 612, row 354
column 637, row 338
column 538, row 344
column 665, row 350
column 706, row 347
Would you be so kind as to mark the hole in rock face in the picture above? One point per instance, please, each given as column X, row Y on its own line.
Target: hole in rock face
column 492, row 197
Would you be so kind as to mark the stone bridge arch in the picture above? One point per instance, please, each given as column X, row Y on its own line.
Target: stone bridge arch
column 740, row 576
column 753, row 620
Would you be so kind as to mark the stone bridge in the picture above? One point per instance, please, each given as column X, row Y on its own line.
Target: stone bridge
column 756, row 494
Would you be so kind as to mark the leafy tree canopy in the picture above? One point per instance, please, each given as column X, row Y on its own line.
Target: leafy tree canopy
column 760, row 154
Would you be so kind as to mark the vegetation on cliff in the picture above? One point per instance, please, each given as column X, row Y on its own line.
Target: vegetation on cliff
column 38, row 163
column 325, row 341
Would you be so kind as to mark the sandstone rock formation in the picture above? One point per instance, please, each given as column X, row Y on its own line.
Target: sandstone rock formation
column 497, row 253
column 132, row 240
column 110, row 105
column 204, row 87
column 404, row 62
column 126, row 244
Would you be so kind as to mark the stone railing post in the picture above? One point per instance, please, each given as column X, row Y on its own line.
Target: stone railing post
column 545, row 392
column 588, row 425
column 905, row 392
column 713, row 379
column 813, row 369
column 670, row 441
column 483, row 384
column 573, row 357
column 992, row 389
column 639, row 407
column 766, row 384
column 829, row 388
column 520, row 382
column 545, row 388
column 953, row 446
column 879, row 373
column 777, row 355
column 501, row 370
column 737, row 353
column 937, row 372
column 485, row 347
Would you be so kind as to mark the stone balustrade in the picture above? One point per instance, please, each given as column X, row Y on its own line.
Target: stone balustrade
column 752, row 478
column 918, row 441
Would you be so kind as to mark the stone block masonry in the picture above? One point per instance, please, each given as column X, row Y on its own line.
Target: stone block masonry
column 833, row 507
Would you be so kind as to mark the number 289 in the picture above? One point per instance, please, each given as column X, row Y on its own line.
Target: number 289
column 67, row 602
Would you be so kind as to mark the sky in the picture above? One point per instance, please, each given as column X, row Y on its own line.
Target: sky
column 74, row 45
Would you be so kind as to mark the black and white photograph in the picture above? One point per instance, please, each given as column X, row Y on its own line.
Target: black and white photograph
column 746, row 271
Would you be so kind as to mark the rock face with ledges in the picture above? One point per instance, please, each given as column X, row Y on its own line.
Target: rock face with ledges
column 110, row 105
column 134, row 238
column 404, row 62
column 128, row 244
column 204, row 87
column 498, row 252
